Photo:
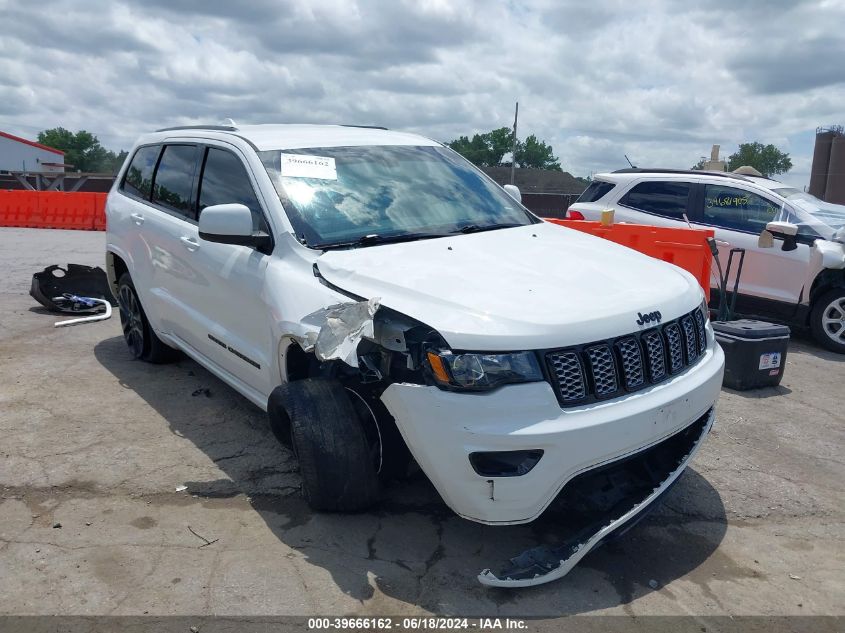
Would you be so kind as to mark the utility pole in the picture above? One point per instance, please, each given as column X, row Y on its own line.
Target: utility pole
column 513, row 146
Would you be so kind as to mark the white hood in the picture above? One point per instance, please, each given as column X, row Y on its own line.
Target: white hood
column 533, row 287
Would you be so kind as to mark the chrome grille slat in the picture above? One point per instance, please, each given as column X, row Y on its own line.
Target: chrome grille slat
column 569, row 373
column 632, row 362
column 605, row 369
column 656, row 355
column 701, row 333
column 673, row 342
column 690, row 344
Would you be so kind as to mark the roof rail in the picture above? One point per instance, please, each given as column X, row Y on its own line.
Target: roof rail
column 219, row 128
column 367, row 127
column 643, row 170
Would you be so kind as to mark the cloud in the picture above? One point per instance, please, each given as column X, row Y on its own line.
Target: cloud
column 658, row 81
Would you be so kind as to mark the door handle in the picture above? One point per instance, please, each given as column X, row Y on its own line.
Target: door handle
column 137, row 218
column 190, row 243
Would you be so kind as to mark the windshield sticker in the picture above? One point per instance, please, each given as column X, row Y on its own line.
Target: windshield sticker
column 305, row 166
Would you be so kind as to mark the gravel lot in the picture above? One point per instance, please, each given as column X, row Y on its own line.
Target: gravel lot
column 98, row 444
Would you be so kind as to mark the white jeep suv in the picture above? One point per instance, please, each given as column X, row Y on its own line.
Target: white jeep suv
column 798, row 280
column 381, row 298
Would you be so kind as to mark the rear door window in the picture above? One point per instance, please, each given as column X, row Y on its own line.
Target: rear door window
column 225, row 181
column 667, row 199
column 174, row 180
column 138, row 180
column 733, row 208
column 597, row 190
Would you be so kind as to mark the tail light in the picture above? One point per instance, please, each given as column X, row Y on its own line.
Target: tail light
column 572, row 214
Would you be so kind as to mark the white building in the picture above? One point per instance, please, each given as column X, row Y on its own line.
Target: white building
column 19, row 154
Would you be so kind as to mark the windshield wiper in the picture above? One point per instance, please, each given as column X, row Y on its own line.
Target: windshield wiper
column 374, row 239
column 475, row 228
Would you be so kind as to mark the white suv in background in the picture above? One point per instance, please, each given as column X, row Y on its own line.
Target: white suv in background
column 380, row 297
column 800, row 279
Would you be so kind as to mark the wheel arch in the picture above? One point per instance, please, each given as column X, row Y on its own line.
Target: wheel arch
column 115, row 267
column 294, row 362
column 825, row 281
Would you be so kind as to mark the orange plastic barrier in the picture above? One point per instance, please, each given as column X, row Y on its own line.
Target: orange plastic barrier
column 53, row 210
column 686, row 248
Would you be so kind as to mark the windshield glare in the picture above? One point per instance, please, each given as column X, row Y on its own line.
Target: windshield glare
column 832, row 215
column 338, row 195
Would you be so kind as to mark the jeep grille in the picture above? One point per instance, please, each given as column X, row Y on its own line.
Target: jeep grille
column 605, row 369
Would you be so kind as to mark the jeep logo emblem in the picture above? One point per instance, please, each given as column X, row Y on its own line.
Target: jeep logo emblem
column 651, row 317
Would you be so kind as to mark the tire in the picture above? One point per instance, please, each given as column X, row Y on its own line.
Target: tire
column 137, row 331
column 336, row 461
column 827, row 320
column 379, row 426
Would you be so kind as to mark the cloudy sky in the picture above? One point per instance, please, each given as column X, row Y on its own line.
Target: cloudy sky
column 658, row 81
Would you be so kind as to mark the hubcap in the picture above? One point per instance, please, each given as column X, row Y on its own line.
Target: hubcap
column 833, row 320
column 131, row 320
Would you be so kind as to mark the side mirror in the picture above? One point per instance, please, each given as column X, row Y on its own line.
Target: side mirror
column 782, row 228
column 785, row 231
column 514, row 192
column 232, row 224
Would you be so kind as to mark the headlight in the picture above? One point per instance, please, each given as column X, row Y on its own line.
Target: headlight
column 483, row 371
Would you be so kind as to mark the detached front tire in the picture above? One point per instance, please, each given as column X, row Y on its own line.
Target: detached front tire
column 336, row 460
column 137, row 331
column 827, row 320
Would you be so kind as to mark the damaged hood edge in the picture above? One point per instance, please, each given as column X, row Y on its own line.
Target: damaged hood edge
column 533, row 287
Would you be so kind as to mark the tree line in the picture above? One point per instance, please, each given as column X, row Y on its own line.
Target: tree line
column 82, row 150
column 85, row 153
column 490, row 148
column 767, row 159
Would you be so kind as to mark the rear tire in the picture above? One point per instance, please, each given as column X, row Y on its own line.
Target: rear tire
column 336, row 460
column 137, row 331
column 827, row 320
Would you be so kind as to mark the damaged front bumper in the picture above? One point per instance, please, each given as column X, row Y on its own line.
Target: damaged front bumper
column 602, row 502
column 442, row 429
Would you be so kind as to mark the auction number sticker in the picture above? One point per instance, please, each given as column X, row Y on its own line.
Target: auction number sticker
column 307, row 166
column 770, row 360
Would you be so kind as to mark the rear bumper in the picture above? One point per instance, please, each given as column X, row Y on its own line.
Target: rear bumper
column 442, row 428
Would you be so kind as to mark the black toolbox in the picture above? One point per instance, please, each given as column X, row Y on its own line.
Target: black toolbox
column 755, row 352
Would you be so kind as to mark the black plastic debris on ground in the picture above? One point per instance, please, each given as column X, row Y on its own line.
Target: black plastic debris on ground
column 64, row 289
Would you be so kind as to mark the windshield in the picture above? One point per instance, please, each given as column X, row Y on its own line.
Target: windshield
column 342, row 196
column 832, row 215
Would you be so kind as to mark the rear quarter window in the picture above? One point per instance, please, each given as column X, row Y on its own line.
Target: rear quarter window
column 174, row 179
column 667, row 199
column 138, row 180
column 597, row 190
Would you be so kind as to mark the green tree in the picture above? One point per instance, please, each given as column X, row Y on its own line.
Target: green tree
column 535, row 153
column 490, row 148
column 82, row 150
column 474, row 150
column 767, row 159
column 499, row 142
column 117, row 161
column 699, row 165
